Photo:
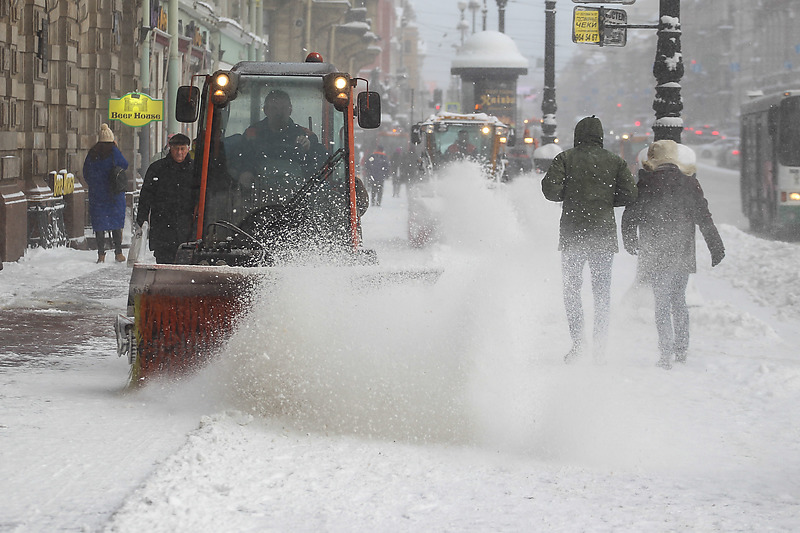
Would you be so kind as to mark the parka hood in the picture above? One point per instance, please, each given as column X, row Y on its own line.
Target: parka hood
column 589, row 131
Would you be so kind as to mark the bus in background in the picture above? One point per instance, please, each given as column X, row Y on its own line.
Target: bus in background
column 770, row 161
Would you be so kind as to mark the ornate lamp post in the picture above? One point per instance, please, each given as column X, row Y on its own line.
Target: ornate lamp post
column 549, row 94
column 668, row 70
column 462, row 25
column 474, row 6
column 501, row 7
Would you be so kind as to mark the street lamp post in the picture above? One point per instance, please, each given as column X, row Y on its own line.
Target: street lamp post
column 474, row 6
column 549, row 94
column 501, row 23
column 462, row 24
column 668, row 70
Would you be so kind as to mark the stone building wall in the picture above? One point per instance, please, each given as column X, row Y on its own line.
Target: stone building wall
column 62, row 61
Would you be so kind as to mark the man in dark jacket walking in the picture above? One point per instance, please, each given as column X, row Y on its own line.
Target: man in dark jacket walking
column 166, row 199
column 590, row 182
column 670, row 204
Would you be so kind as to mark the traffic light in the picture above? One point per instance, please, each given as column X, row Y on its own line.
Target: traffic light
column 437, row 99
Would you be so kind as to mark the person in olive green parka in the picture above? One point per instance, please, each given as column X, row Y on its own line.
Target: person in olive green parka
column 590, row 182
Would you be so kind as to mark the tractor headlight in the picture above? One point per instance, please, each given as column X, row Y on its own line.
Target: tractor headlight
column 337, row 89
column 223, row 87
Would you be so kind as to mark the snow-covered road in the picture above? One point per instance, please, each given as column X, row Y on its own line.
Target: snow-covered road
column 408, row 408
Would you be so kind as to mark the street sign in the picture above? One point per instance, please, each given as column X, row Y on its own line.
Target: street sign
column 586, row 25
column 614, row 31
column 600, row 26
column 626, row 2
column 135, row 109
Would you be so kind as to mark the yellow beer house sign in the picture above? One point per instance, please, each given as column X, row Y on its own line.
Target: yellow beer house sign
column 135, row 109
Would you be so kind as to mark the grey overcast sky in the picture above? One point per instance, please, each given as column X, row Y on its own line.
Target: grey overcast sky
column 525, row 23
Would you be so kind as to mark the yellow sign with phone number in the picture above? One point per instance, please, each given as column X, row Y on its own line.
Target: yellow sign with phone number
column 586, row 25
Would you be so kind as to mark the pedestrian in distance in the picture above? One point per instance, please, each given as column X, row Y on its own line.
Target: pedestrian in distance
column 106, row 209
column 590, row 182
column 397, row 172
column 377, row 166
column 659, row 227
column 167, row 200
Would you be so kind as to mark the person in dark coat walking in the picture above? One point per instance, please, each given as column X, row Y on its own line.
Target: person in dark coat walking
column 106, row 210
column 377, row 170
column 660, row 228
column 462, row 148
column 589, row 181
column 167, row 200
column 278, row 137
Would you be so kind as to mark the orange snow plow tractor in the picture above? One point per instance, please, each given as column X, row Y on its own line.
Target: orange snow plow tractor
column 274, row 187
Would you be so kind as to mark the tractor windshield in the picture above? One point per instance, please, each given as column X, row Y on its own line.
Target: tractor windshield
column 267, row 148
column 452, row 141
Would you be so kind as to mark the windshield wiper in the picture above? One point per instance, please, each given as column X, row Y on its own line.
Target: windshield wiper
column 304, row 193
column 236, row 230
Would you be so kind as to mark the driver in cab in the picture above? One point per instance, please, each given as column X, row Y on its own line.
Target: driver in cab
column 462, row 147
column 278, row 128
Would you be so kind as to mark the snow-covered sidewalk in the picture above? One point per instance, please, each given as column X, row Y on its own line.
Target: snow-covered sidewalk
column 437, row 408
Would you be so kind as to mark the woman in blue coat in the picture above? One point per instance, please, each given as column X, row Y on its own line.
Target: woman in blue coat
column 106, row 210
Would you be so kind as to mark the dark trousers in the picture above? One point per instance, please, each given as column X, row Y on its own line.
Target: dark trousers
column 572, row 263
column 116, row 239
column 377, row 192
column 396, row 183
column 165, row 254
column 672, row 315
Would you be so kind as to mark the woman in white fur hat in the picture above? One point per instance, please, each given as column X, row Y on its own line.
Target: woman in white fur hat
column 106, row 210
column 660, row 227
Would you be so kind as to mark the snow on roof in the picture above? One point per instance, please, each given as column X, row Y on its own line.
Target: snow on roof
column 355, row 25
column 489, row 49
column 442, row 116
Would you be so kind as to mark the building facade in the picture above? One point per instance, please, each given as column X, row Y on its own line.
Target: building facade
column 734, row 47
column 62, row 62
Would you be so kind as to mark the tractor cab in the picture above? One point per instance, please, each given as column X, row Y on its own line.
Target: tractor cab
column 273, row 164
column 274, row 186
column 449, row 137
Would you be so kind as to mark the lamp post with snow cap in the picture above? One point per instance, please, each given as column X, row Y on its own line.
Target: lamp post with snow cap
column 668, row 70
column 474, row 6
column 549, row 94
column 462, row 25
column 501, row 15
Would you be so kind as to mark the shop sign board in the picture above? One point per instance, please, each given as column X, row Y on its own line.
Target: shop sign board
column 135, row 109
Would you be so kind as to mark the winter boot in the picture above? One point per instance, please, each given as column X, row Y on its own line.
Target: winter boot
column 101, row 258
column 664, row 362
column 119, row 258
column 680, row 356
